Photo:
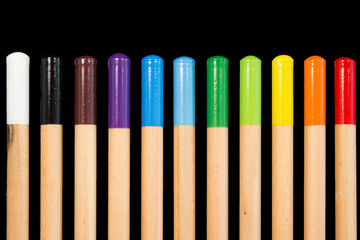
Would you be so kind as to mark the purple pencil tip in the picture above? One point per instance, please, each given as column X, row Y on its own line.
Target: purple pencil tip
column 119, row 91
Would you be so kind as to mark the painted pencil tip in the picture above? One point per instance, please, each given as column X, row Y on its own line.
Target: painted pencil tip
column 184, row 91
column 314, row 91
column 217, row 92
column 17, row 57
column 250, row 91
column 184, row 59
column 250, row 59
column 282, row 90
column 119, row 91
column 85, row 60
column 17, row 88
column 345, row 60
column 118, row 57
column 315, row 58
column 283, row 59
column 345, row 91
column 152, row 59
column 85, row 90
column 51, row 90
column 152, row 91
column 219, row 59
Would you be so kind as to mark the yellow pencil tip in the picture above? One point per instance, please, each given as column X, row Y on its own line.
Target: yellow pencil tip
column 283, row 59
column 282, row 90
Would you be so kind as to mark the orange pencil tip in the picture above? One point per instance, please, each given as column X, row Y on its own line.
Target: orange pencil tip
column 314, row 91
column 315, row 58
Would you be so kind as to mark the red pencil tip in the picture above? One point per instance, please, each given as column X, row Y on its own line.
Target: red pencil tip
column 345, row 91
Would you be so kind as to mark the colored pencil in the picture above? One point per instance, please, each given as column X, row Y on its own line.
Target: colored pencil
column 184, row 148
column 119, row 147
column 314, row 148
column 217, row 149
column 51, row 148
column 345, row 149
column 152, row 148
column 85, row 148
column 17, row 108
column 250, row 148
column 282, row 147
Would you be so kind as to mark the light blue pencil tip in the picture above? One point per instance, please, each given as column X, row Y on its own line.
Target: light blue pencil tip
column 184, row 91
column 184, row 60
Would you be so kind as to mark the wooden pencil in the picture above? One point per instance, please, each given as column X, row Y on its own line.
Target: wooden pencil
column 345, row 149
column 17, row 108
column 314, row 148
column 217, row 149
column 119, row 147
column 152, row 148
column 51, row 148
column 250, row 148
column 184, row 148
column 85, row 148
column 282, row 148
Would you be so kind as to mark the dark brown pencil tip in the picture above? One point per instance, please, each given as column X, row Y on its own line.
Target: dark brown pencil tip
column 85, row 90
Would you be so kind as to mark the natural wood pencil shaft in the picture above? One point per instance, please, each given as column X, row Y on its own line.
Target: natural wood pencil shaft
column 250, row 182
column 151, row 183
column 345, row 182
column 51, row 181
column 119, row 184
column 217, row 183
column 17, row 217
column 85, row 182
column 282, row 182
column 184, row 182
column 314, row 182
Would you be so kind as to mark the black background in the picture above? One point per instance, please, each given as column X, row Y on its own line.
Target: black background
column 200, row 42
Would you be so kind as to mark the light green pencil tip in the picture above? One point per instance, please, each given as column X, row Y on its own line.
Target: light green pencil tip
column 250, row 91
column 249, row 59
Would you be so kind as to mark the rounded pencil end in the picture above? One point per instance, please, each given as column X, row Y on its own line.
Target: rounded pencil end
column 152, row 91
column 17, row 88
column 51, row 90
column 345, row 91
column 314, row 91
column 85, row 90
column 282, row 90
column 218, row 61
column 84, row 61
column 152, row 60
column 345, row 60
column 119, row 91
column 250, row 59
column 118, row 57
column 283, row 60
column 217, row 91
column 250, row 91
column 17, row 58
column 315, row 59
column 184, row 91
column 184, row 60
